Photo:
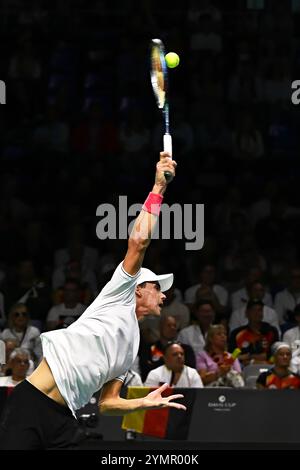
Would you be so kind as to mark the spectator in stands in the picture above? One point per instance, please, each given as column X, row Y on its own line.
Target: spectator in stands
column 205, row 38
column 286, row 300
column 198, row 8
column 19, row 363
column 277, row 21
column 256, row 338
column 279, row 376
column 151, row 355
column 208, row 289
column 245, row 86
column 248, row 142
column 38, row 240
column 85, row 277
column 69, row 308
column 24, row 65
column 133, row 379
column 195, row 334
column 229, row 205
column 28, row 287
column 292, row 335
column 240, row 297
column 25, row 73
column 10, row 345
column 216, row 366
column 19, row 328
column 249, row 252
column 211, row 133
column 15, row 210
column 174, row 371
column 261, row 208
column 25, row 278
column 238, row 317
column 172, row 306
column 76, row 249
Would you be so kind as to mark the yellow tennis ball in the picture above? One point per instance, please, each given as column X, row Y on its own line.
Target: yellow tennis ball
column 172, row 60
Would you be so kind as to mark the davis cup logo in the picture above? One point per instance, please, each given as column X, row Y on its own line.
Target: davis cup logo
column 222, row 404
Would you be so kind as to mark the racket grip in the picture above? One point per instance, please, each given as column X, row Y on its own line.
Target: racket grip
column 168, row 144
column 168, row 148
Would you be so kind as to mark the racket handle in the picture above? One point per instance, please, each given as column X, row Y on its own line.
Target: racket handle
column 168, row 148
column 168, row 144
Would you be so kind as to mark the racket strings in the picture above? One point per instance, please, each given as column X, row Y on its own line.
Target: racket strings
column 157, row 77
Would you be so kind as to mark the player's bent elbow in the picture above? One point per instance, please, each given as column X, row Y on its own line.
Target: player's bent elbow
column 104, row 407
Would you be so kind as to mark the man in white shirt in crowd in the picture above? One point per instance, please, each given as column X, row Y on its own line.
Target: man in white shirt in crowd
column 287, row 299
column 174, row 371
column 195, row 334
column 208, row 289
column 95, row 351
column 70, row 308
column 240, row 297
column 292, row 336
column 238, row 317
column 19, row 362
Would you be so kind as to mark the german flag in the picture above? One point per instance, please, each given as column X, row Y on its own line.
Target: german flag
column 166, row 423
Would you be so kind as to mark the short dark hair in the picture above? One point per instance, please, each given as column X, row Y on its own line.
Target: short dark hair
column 169, row 344
column 253, row 302
column 71, row 280
column 201, row 302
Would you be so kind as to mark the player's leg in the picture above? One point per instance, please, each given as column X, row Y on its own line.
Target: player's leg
column 18, row 422
column 31, row 420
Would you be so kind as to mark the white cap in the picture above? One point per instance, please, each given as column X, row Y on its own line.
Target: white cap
column 278, row 345
column 165, row 280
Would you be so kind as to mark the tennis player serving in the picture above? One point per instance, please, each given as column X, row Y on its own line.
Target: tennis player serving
column 95, row 351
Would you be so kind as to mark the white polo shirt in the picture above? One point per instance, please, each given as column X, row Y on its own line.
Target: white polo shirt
column 189, row 377
column 100, row 346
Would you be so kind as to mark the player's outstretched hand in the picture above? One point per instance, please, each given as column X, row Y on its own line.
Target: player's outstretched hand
column 165, row 164
column 155, row 400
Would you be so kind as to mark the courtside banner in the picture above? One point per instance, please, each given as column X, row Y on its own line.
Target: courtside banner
column 165, row 423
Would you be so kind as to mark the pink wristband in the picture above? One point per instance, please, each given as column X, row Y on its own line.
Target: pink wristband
column 153, row 203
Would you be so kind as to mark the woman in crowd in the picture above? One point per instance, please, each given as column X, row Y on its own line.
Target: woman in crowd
column 279, row 376
column 216, row 366
column 19, row 328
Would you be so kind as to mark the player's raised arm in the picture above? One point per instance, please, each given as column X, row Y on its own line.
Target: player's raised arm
column 146, row 221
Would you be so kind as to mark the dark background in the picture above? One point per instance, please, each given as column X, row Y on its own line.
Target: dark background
column 77, row 78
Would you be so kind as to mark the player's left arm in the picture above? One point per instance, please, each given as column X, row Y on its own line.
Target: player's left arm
column 145, row 223
column 110, row 402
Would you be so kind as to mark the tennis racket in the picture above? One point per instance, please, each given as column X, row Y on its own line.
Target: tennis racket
column 159, row 80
